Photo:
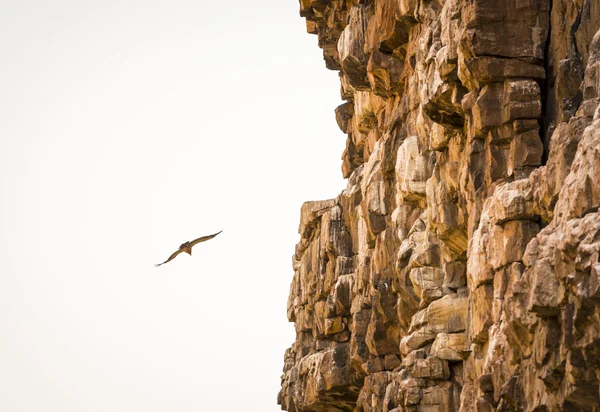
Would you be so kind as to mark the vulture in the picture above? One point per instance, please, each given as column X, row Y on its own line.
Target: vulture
column 187, row 247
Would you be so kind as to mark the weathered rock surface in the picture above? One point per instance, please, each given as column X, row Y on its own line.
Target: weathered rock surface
column 460, row 268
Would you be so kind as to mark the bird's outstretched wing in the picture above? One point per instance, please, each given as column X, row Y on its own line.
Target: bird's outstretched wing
column 173, row 256
column 203, row 239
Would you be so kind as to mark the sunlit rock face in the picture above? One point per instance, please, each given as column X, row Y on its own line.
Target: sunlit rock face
column 460, row 268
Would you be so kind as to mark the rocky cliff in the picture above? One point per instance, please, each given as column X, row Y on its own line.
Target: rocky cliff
column 460, row 269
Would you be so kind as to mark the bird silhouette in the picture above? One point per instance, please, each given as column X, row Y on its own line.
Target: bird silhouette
column 187, row 247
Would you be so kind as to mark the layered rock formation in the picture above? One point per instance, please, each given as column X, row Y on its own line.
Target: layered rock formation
column 460, row 269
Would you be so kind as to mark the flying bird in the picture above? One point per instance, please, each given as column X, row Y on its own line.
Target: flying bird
column 187, row 247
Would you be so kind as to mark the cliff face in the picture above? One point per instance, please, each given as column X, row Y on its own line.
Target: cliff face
column 460, row 269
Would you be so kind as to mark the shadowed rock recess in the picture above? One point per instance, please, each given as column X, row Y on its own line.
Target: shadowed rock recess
column 460, row 269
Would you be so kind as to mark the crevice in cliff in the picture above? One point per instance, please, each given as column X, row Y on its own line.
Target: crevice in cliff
column 577, row 65
column 547, row 94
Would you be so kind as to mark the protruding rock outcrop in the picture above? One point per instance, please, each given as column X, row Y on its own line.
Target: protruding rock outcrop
column 460, row 268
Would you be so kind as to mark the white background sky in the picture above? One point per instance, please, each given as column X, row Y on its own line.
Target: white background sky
column 126, row 128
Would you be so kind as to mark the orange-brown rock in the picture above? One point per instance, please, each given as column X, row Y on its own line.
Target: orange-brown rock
column 460, row 268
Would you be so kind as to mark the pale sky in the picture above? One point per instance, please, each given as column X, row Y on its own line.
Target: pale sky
column 126, row 128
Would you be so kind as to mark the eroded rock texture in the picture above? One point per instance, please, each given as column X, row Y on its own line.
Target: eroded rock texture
column 460, row 269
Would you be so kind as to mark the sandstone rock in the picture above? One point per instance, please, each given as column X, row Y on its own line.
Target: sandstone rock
column 488, row 69
column 343, row 114
column 450, row 346
column 481, row 313
column 412, row 169
column 525, row 150
column 488, row 23
column 487, row 110
column 455, row 275
column 417, row 339
column 510, row 202
column 391, row 362
column 448, row 314
column 334, row 325
column 432, row 368
column 319, row 373
column 437, row 398
column 350, row 49
column 373, row 392
column 522, row 100
column 311, row 211
column 383, row 72
column 460, row 268
column 426, row 279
